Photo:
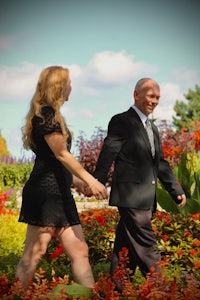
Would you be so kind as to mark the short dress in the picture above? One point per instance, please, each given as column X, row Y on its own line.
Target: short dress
column 46, row 197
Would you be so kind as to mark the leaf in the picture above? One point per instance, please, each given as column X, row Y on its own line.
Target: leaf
column 16, row 297
column 58, row 288
column 184, row 175
column 196, row 193
column 192, row 206
column 74, row 290
column 165, row 201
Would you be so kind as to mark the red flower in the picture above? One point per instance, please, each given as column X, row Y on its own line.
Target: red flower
column 102, row 224
column 101, row 220
column 57, row 252
column 161, row 215
column 168, row 219
column 195, row 216
column 165, row 237
column 184, row 129
column 187, row 233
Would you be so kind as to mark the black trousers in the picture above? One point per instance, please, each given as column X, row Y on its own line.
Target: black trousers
column 134, row 231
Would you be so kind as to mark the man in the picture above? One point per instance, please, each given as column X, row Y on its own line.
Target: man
column 137, row 165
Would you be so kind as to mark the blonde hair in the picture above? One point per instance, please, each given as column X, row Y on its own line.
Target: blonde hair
column 52, row 90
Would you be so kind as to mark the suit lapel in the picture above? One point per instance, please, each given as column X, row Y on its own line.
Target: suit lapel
column 134, row 118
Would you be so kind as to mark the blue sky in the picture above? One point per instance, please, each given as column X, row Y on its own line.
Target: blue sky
column 107, row 45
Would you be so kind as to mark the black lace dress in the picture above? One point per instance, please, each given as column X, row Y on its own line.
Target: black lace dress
column 46, row 197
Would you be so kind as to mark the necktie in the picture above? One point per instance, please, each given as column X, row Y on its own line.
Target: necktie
column 150, row 136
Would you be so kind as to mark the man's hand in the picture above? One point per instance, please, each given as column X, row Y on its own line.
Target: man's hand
column 79, row 185
column 181, row 200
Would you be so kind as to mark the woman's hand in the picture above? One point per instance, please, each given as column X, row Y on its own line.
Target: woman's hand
column 95, row 189
column 98, row 190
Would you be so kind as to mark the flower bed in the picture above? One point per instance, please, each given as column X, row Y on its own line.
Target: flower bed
column 177, row 238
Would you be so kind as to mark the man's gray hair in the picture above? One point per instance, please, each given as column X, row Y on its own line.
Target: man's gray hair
column 140, row 83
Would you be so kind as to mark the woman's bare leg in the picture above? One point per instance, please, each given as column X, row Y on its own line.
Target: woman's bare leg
column 37, row 239
column 76, row 248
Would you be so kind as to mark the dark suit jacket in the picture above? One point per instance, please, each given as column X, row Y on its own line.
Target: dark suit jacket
column 135, row 174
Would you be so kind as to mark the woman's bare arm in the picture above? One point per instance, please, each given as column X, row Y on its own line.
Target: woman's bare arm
column 57, row 144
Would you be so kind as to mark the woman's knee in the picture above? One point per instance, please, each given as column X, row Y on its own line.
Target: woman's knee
column 36, row 247
column 34, row 253
column 81, row 252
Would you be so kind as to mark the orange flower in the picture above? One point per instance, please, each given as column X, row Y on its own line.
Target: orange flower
column 193, row 253
column 180, row 252
column 194, row 124
column 196, row 264
column 196, row 243
column 175, row 150
column 155, row 230
column 196, row 135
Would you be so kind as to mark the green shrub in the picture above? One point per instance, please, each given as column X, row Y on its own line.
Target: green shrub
column 12, row 236
column 15, row 174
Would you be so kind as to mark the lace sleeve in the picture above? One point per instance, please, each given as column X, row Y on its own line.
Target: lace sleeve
column 48, row 125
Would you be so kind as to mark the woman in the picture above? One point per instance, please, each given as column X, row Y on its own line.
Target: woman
column 48, row 206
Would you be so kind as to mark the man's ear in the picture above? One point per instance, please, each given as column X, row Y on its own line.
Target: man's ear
column 135, row 94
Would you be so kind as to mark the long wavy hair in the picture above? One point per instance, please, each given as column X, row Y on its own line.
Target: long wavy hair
column 53, row 89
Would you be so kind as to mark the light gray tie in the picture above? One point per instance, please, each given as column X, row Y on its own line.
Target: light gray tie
column 150, row 136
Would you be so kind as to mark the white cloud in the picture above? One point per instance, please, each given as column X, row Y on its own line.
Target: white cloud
column 75, row 112
column 170, row 92
column 186, row 77
column 18, row 83
column 110, row 69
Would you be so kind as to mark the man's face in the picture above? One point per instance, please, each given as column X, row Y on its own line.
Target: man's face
column 147, row 98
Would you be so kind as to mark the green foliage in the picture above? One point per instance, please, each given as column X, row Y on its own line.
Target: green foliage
column 74, row 291
column 187, row 112
column 178, row 240
column 12, row 236
column 15, row 174
column 188, row 174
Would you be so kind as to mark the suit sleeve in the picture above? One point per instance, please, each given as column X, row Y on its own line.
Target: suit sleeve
column 167, row 177
column 112, row 145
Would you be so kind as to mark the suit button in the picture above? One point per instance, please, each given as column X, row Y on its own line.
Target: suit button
column 153, row 182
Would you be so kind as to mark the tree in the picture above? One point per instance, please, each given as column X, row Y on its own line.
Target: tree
column 187, row 112
column 3, row 147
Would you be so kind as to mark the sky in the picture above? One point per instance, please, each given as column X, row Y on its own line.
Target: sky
column 107, row 45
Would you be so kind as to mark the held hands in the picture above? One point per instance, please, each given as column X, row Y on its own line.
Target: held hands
column 96, row 188
column 181, row 200
column 79, row 185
